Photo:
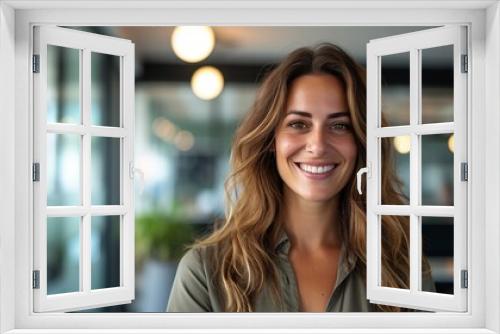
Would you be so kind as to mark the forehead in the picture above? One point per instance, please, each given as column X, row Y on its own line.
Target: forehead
column 316, row 93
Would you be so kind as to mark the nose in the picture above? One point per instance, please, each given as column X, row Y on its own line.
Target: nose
column 317, row 142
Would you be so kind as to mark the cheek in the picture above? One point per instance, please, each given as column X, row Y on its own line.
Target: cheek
column 286, row 146
column 349, row 150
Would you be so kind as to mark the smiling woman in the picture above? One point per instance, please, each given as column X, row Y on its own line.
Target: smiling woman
column 294, row 234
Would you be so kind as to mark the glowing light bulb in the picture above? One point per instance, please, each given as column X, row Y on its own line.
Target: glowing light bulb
column 184, row 140
column 207, row 82
column 451, row 143
column 193, row 43
column 402, row 144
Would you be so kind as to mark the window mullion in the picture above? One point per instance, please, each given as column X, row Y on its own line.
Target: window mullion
column 415, row 173
column 86, row 187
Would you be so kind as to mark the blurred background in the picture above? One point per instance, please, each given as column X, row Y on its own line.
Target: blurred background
column 188, row 105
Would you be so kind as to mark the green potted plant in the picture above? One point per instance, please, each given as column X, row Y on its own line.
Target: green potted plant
column 161, row 240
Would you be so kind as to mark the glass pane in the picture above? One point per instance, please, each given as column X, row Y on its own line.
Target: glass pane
column 395, row 255
column 105, row 89
column 105, row 171
column 63, row 169
column 63, row 85
column 437, row 247
column 437, row 170
column 63, row 254
column 105, row 243
column 396, row 165
column 395, row 86
column 437, row 84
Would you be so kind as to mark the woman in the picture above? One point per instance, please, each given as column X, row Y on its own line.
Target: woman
column 294, row 236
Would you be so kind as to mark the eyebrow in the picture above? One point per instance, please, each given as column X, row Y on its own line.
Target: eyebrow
column 309, row 115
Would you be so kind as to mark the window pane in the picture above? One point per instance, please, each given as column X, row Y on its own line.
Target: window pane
column 396, row 161
column 63, row 254
column 437, row 84
column 395, row 86
column 105, row 89
column 105, row 243
column 395, row 255
column 63, row 85
column 437, row 170
column 437, row 246
column 63, row 169
column 105, row 171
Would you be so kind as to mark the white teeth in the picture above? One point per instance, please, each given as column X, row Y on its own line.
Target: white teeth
column 316, row 169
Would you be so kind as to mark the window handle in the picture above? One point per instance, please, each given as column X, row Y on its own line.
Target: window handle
column 133, row 171
column 359, row 175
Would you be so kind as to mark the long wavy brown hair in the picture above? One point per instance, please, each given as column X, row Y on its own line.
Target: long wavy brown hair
column 242, row 245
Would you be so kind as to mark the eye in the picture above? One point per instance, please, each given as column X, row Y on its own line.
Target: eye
column 299, row 125
column 341, row 126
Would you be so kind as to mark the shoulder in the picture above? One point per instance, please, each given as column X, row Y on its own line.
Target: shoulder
column 192, row 290
column 193, row 264
column 191, row 259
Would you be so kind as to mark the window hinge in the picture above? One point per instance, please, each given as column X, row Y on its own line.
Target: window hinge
column 464, row 171
column 36, row 279
column 465, row 66
column 36, row 63
column 36, row 172
column 465, row 279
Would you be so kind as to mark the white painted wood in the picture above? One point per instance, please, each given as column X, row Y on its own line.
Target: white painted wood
column 258, row 4
column 127, row 102
column 460, row 112
column 86, row 220
column 489, row 177
column 94, row 210
column 372, row 157
column 420, row 210
column 92, row 130
column 415, row 174
column 483, row 123
column 85, row 297
column 39, row 155
column 75, row 39
column 413, row 43
column 418, row 129
column 7, row 168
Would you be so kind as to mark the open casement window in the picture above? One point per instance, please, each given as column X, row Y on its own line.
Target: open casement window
column 83, row 170
column 410, row 121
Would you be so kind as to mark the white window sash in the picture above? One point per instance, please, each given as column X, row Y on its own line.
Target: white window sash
column 85, row 297
column 414, row 298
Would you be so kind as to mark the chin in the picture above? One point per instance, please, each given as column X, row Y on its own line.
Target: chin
column 317, row 197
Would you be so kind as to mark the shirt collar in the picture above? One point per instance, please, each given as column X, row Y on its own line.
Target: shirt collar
column 283, row 247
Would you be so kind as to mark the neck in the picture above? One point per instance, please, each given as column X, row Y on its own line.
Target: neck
column 311, row 224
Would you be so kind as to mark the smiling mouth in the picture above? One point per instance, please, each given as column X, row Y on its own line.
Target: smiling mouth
column 316, row 170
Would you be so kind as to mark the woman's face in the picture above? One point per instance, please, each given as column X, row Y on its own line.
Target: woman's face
column 314, row 144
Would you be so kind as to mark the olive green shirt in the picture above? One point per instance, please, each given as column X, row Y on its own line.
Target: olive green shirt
column 194, row 291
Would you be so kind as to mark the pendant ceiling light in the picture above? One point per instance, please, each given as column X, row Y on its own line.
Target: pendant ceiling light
column 207, row 82
column 451, row 143
column 402, row 144
column 193, row 43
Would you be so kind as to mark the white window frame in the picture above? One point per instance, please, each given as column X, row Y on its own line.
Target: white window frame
column 17, row 18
